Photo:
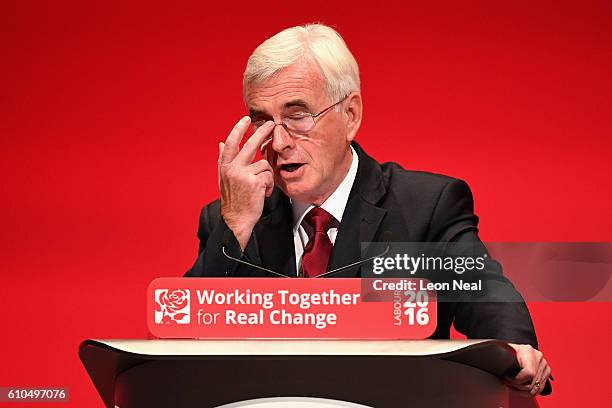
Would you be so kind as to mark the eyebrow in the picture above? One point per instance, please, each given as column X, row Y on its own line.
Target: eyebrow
column 290, row 104
column 297, row 102
column 256, row 112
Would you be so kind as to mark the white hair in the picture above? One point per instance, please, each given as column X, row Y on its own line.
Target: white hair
column 316, row 43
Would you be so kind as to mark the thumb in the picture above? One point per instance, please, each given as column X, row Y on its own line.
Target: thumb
column 221, row 148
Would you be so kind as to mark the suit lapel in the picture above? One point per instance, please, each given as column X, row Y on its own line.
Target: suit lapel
column 274, row 236
column 360, row 222
column 362, row 218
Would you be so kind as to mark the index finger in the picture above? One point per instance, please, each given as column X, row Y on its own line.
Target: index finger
column 247, row 154
column 232, row 143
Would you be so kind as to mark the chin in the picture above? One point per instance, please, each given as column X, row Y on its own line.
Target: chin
column 297, row 190
column 294, row 190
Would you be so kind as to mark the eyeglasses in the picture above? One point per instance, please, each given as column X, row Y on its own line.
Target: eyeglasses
column 300, row 123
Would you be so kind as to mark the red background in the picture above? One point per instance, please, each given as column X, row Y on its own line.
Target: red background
column 111, row 114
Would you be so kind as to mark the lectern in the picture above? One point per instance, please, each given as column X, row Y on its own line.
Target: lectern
column 301, row 373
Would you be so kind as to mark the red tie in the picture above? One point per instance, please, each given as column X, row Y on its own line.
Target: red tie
column 319, row 247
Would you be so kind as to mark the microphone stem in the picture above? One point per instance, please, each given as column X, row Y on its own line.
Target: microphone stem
column 357, row 263
column 251, row 264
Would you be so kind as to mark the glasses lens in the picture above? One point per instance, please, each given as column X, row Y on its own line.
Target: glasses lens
column 299, row 124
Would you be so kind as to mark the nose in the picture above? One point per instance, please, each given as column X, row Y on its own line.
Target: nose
column 281, row 139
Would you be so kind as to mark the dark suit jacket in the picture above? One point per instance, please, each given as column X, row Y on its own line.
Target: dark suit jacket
column 413, row 206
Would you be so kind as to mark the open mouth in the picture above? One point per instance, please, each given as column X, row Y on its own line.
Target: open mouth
column 291, row 167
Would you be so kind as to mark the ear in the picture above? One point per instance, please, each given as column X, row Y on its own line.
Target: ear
column 353, row 111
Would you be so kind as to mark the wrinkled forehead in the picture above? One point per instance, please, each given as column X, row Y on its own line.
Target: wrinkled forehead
column 297, row 85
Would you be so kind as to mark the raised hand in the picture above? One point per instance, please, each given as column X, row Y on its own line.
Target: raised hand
column 244, row 185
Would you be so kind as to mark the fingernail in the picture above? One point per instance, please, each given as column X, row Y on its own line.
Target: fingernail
column 245, row 119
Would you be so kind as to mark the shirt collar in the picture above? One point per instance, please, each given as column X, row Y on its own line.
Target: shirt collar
column 335, row 203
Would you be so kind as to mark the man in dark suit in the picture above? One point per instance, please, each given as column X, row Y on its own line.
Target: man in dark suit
column 306, row 207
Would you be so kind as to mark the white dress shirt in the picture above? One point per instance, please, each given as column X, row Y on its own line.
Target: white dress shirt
column 335, row 205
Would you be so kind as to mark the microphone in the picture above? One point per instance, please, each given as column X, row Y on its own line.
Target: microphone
column 225, row 243
column 387, row 235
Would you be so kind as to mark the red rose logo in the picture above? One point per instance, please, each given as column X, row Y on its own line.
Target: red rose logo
column 175, row 301
column 171, row 307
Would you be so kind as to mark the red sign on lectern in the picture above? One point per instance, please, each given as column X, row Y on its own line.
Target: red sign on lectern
column 239, row 308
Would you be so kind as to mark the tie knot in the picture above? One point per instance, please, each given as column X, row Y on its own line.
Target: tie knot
column 319, row 219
